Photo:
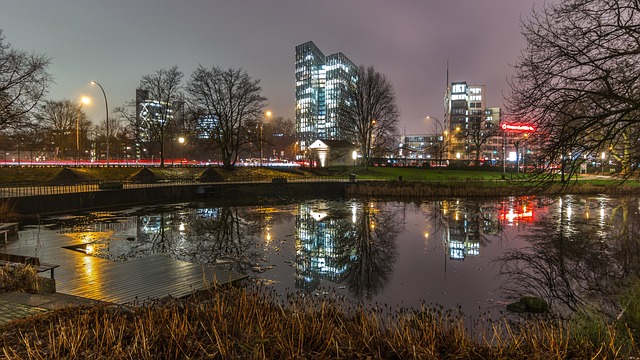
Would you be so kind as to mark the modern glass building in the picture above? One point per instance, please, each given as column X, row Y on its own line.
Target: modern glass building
column 319, row 79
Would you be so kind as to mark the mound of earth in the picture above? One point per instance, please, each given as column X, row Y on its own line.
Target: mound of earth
column 210, row 175
column 144, row 175
column 65, row 176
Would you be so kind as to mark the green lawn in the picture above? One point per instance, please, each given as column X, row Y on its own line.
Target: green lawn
column 393, row 173
column 35, row 175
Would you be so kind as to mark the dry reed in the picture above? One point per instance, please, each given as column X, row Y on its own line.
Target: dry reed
column 240, row 323
column 19, row 278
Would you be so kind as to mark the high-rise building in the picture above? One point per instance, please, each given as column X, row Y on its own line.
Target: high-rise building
column 319, row 80
column 468, row 121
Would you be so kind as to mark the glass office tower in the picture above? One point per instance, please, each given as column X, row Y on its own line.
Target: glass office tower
column 319, row 79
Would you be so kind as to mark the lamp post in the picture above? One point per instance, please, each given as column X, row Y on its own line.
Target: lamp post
column 354, row 156
column 106, row 107
column 267, row 115
column 84, row 100
column 181, row 141
column 602, row 163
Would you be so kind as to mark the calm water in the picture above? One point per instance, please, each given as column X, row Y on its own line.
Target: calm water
column 478, row 254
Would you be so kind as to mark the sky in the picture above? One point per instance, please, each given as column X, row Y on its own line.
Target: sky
column 116, row 42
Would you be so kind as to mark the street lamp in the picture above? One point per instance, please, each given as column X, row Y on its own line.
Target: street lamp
column 181, row 141
column 267, row 115
column 84, row 100
column 106, row 106
column 354, row 156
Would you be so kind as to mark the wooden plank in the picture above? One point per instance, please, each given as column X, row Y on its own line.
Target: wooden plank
column 139, row 280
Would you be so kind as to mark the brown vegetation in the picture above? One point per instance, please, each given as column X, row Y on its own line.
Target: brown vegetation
column 238, row 323
column 476, row 188
column 19, row 278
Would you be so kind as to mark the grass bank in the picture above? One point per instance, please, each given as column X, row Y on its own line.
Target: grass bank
column 239, row 323
column 16, row 176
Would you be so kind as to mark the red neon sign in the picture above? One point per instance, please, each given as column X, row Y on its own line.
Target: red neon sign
column 517, row 127
column 512, row 216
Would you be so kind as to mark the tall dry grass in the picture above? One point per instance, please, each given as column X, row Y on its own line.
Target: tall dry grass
column 19, row 278
column 474, row 188
column 238, row 323
column 6, row 212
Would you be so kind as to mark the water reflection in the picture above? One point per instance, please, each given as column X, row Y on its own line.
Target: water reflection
column 574, row 261
column 572, row 251
column 358, row 250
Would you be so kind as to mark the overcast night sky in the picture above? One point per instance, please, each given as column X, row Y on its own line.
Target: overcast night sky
column 115, row 42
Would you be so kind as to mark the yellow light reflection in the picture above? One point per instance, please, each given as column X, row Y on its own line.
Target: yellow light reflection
column 92, row 275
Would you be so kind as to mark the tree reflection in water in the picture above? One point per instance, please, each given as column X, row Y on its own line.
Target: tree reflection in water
column 370, row 252
column 577, row 260
column 350, row 243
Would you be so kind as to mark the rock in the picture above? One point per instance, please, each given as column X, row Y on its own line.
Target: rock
column 47, row 286
column 529, row 304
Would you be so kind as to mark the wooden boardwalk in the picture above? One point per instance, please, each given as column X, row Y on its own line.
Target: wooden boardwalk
column 143, row 279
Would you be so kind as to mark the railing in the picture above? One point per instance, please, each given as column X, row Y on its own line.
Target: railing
column 21, row 190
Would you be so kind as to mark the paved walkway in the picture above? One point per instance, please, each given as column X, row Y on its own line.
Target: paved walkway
column 17, row 305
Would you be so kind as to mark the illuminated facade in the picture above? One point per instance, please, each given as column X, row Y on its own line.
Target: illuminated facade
column 316, row 257
column 421, row 146
column 319, row 80
column 148, row 112
column 468, row 120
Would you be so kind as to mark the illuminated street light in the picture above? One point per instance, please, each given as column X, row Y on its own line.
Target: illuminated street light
column 354, row 156
column 181, row 141
column 267, row 115
column 84, row 100
column 106, row 106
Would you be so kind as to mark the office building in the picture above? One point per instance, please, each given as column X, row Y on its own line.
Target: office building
column 469, row 123
column 319, row 80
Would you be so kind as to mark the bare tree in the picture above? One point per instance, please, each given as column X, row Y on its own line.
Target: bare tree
column 115, row 130
column 280, row 125
column 129, row 131
column 368, row 114
column 578, row 81
column 165, row 96
column 478, row 134
column 23, row 82
column 68, row 125
column 230, row 104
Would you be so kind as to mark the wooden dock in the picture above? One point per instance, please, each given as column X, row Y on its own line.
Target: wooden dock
column 136, row 280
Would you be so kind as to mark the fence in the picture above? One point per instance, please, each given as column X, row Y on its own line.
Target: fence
column 21, row 190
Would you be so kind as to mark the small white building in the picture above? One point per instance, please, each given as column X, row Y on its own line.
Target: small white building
column 332, row 152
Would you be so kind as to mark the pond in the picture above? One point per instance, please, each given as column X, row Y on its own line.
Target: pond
column 478, row 254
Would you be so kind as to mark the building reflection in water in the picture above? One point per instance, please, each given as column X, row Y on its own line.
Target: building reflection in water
column 317, row 233
column 351, row 244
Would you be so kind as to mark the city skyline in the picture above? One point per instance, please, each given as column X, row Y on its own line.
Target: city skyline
column 411, row 42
